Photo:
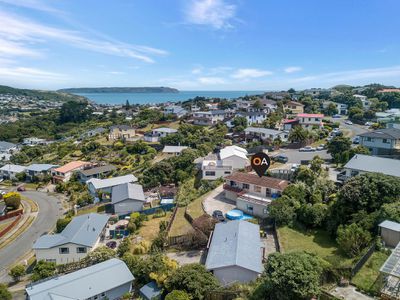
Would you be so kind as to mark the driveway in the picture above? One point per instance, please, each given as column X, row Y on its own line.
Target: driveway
column 216, row 200
column 50, row 210
column 295, row 156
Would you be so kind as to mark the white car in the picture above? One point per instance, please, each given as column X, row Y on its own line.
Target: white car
column 368, row 124
column 348, row 122
column 321, row 147
column 307, row 149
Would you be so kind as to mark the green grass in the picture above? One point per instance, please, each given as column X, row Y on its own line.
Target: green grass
column 94, row 209
column 150, row 228
column 316, row 241
column 368, row 279
column 180, row 225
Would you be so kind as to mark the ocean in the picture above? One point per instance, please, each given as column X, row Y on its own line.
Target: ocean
column 153, row 98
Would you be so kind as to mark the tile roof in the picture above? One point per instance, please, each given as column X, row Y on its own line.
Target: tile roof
column 84, row 283
column 82, row 230
column 110, row 182
column 266, row 131
column 235, row 243
column 269, row 182
column 71, row 166
column 374, row 164
column 390, row 133
column 310, row 115
column 127, row 191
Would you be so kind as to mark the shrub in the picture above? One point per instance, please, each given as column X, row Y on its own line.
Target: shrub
column 12, row 199
column 178, row 295
column 17, row 272
column 352, row 239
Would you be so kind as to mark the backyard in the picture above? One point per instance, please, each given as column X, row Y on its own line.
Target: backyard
column 315, row 241
column 180, row 226
column 150, row 228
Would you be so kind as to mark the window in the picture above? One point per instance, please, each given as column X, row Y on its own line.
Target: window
column 257, row 189
column 51, row 260
column 81, row 250
column 385, row 141
column 265, row 211
column 210, row 173
column 227, row 172
column 64, row 250
column 249, row 208
column 369, row 139
column 246, row 186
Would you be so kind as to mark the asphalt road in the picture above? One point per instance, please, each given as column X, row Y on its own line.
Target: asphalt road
column 49, row 212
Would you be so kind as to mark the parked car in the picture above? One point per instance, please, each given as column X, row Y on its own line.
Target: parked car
column 307, row 149
column 294, row 167
column 368, row 124
column 348, row 122
column 356, row 140
column 218, row 215
column 21, row 188
column 321, row 147
column 281, row 158
column 336, row 116
column 111, row 244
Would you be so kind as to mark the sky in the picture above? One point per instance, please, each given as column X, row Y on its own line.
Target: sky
column 199, row 44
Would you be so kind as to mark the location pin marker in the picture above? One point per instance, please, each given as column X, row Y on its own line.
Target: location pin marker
column 260, row 163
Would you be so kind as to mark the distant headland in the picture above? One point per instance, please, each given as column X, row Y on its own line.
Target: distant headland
column 120, row 90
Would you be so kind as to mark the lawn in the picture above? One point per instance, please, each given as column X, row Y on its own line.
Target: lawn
column 195, row 208
column 180, row 226
column 94, row 209
column 318, row 242
column 368, row 279
column 150, row 228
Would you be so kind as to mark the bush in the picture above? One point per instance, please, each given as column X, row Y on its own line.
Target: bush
column 62, row 223
column 43, row 269
column 12, row 199
column 124, row 246
column 4, row 293
column 178, row 295
column 17, row 272
column 352, row 239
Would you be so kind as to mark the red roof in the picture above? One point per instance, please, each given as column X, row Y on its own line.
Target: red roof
column 286, row 121
column 269, row 182
column 310, row 115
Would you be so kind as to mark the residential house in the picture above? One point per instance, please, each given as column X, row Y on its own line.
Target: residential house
column 123, row 132
column 342, row 109
column 127, row 198
column 10, row 171
column 96, row 172
column 243, row 104
column 265, row 134
column 254, row 117
column 288, row 124
column 7, row 148
column 234, row 255
column 34, row 171
column 94, row 132
column 294, row 107
column 308, row 121
column 364, row 100
column 316, row 92
column 81, row 236
column 64, row 173
column 34, row 141
column 110, row 280
column 208, row 118
column 381, row 141
column 276, row 95
column 156, row 134
column 175, row 110
column 360, row 164
column 229, row 159
column 174, row 150
column 106, row 185
column 390, row 233
column 269, row 105
column 253, row 194
column 390, row 115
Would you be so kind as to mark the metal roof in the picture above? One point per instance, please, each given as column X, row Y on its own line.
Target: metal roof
column 127, row 191
column 392, row 264
column 150, row 291
column 40, row 167
column 235, row 243
column 84, row 283
column 390, row 225
column 13, row 168
column 233, row 151
column 82, row 230
column 165, row 129
column 374, row 164
column 263, row 130
column 389, row 133
column 4, row 146
column 110, row 182
column 98, row 170
column 174, row 149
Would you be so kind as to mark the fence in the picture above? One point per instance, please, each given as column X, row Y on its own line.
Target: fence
column 10, row 226
column 362, row 260
column 11, row 214
column 177, row 240
column 164, row 207
column 276, row 237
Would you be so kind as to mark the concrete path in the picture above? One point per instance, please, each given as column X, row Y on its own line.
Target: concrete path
column 349, row 293
column 216, row 200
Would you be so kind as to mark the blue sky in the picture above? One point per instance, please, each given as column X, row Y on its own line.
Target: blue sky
column 199, row 44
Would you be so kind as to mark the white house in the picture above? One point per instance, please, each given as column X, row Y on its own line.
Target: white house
column 64, row 173
column 127, row 198
column 174, row 150
column 8, row 148
column 208, row 118
column 263, row 134
column 175, row 110
column 38, row 170
column 364, row 100
column 310, row 120
column 234, row 255
column 254, row 117
column 110, row 280
column 78, row 238
column 34, row 141
column 10, row 171
column 229, row 159
column 106, row 185
column 156, row 134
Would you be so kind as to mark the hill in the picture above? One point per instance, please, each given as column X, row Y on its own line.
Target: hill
column 120, row 90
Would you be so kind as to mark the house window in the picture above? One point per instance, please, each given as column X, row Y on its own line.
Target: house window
column 265, row 211
column 249, row 208
column 246, row 186
column 227, row 172
column 369, row 139
column 50, row 260
column 210, row 173
column 64, row 250
column 385, row 141
column 257, row 189
column 81, row 250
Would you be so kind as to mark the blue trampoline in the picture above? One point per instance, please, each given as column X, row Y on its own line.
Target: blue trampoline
column 237, row 214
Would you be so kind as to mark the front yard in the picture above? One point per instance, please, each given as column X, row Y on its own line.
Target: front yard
column 316, row 241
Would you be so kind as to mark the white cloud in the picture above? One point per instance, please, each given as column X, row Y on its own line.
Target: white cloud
column 292, row 69
column 197, row 70
column 211, row 80
column 215, row 13
column 31, row 74
column 250, row 73
column 117, row 73
column 23, row 34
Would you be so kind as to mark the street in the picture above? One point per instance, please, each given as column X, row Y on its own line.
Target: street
column 49, row 212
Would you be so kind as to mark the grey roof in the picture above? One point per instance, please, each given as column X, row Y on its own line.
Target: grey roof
column 174, row 149
column 374, row 164
column 266, row 131
column 387, row 133
column 5, row 146
column 150, row 291
column 40, row 167
column 82, row 230
column 126, row 191
column 235, row 243
column 98, row 170
column 121, row 127
column 110, row 182
column 84, row 283
column 165, row 129
column 252, row 113
column 391, row 266
column 13, row 168
column 390, row 225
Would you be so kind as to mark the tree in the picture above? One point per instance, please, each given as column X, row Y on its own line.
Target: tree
column 74, row 111
column 331, row 109
column 316, row 164
column 100, row 254
column 193, row 279
column 313, row 215
column 12, row 199
column 4, row 293
column 283, row 211
column 43, row 269
column 17, row 272
column 352, row 239
column 62, row 223
column 298, row 134
column 239, row 123
column 178, row 295
column 124, row 247
column 339, row 148
column 289, row 276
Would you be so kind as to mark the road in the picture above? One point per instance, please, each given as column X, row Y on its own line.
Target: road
column 49, row 211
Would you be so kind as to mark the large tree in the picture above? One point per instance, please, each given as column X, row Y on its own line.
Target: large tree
column 289, row 276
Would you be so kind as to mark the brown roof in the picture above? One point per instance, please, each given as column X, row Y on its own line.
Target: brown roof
column 71, row 166
column 264, row 181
